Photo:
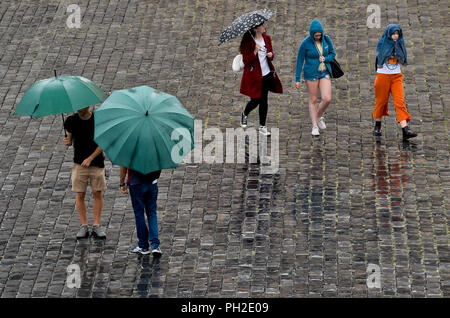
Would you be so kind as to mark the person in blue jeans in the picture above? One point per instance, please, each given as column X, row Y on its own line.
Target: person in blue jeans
column 144, row 194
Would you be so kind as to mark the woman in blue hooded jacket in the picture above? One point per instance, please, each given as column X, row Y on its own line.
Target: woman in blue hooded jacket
column 391, row 53
column 313, row 60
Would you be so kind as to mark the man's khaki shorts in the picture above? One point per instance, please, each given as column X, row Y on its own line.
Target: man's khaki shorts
column 81, row 176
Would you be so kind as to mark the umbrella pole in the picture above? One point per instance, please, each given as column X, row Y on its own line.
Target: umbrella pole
column 65, row 134
column 247, row 31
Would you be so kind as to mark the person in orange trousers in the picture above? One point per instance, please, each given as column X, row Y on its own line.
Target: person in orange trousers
column 391, row 52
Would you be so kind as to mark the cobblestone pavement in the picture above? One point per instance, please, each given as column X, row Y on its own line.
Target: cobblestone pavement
column 338, row 202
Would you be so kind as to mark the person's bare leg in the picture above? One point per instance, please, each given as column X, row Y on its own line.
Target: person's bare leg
column 98, row 205
column 313, row 91
column 403, row 124
column 81, row 206
column 325, row 94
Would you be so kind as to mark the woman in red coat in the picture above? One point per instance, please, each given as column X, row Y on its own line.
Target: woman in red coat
column 259, row 74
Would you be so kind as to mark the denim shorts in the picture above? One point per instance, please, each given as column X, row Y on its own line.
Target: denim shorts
column 319, row 75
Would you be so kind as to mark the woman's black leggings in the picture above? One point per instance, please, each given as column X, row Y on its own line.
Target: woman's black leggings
column 262, row 101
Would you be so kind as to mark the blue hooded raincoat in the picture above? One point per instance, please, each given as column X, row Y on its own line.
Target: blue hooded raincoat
column 308, row 55
column 386, row 46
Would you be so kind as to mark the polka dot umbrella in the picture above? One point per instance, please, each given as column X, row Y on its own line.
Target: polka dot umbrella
column 244, row 23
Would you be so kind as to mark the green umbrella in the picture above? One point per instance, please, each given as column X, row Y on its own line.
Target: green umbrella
column 144, row 129
column 58, row 95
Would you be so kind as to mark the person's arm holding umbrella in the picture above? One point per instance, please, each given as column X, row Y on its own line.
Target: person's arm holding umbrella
column 123, row 175
column 68, row 139
column 68, row 129
column 249, row 56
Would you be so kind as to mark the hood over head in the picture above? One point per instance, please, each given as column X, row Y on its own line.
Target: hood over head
column 315, row 26
column 390, row 29
column 387, row 46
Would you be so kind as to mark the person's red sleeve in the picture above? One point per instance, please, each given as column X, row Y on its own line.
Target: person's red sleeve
column 248, row 55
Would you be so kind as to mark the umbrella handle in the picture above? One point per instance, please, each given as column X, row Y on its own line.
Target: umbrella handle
column 250, row 35
column 65, row 134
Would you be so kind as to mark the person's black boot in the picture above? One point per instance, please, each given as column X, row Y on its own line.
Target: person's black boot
column 408, row 133
column 377, row 129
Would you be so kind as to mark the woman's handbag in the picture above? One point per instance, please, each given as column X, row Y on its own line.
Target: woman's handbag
column 238, row 63
column 336, row 70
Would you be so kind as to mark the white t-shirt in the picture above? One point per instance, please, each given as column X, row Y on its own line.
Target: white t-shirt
column 390, row 68
column 263, row 57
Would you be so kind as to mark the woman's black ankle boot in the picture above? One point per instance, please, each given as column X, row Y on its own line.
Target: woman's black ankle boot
column 377, row 129
column 408, row 133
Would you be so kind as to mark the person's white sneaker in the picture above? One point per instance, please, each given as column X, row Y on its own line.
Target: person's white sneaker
column 156, row 252
column 137, row 249
column 263, row 130
column 321, row 123
column 315, row 131
column 243, row 121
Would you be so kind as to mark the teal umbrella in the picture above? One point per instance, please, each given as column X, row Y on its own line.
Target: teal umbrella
column 58, row 95
column 144, row 129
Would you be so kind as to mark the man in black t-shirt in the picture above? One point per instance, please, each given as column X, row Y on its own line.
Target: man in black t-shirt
column 88, row 168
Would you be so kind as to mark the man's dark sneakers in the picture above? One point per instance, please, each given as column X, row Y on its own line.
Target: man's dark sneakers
column 377, row 129
column 408, row 133
column 243, row 121
column 97, row 232
column 83, row 232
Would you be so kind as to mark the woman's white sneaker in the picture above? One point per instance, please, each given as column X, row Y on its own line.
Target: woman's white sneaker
column 321, row 123
column 243, row 121
column 263, row 131
column 315, row 131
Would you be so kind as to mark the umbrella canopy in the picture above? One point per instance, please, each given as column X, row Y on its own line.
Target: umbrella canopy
column 135, row 127
column 58, row 95
column 244, row 23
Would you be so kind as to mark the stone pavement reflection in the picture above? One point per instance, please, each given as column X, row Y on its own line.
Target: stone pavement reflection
column 338, row 202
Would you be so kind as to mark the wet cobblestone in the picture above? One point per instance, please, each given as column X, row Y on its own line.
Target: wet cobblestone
column 337, row 203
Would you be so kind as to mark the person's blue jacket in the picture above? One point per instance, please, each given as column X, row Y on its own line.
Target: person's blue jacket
column 386, row 46
column 308, row 55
